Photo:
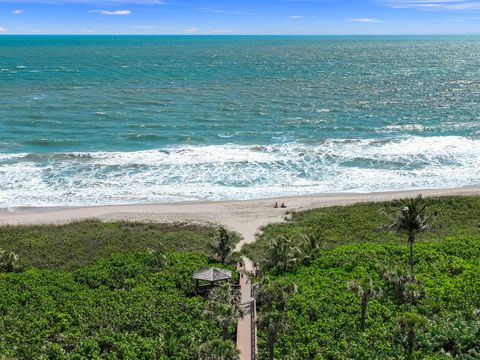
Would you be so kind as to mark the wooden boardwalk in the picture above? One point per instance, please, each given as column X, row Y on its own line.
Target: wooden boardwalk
column 246, row 328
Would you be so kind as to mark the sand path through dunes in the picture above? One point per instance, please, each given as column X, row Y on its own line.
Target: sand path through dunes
column 245, row 217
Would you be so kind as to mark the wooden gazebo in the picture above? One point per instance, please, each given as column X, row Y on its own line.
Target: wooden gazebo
column 210, row 275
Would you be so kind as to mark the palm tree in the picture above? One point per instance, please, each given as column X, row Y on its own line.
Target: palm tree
column 223, row 244
column 398, row 279
column 158, row 257
column 406, row 286
column 273, row 298
column 282, row 252
column 412, row 219
column 411, row 323
column 366, row 290
column 414, row 291
column 218, row 350
column 225, row 308
column 476, row 313
column 273, row 323
column 8, row 261
column 312, row 244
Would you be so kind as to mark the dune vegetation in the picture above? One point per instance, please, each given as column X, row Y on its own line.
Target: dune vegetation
column 355, row 295
column 106, row 290
column 67, row 247
column 393, row 280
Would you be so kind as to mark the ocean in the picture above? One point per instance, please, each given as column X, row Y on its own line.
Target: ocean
column 87, row 120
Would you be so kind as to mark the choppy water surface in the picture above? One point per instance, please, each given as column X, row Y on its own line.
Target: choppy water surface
column 106, row 120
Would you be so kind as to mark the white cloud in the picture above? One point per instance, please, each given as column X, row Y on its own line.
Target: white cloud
column 295, row 17
column 366, row 20
column 190, row 30
column 17, row 11
column 433, row 4
column 110, row 12
column 2, row 29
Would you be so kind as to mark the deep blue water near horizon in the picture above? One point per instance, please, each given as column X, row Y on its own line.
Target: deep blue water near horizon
column 125, row 119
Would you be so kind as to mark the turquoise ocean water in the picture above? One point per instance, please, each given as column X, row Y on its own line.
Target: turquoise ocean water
column 107, row 120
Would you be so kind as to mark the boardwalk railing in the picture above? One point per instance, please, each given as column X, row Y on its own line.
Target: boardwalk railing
column 254, row 330
column 247, row 326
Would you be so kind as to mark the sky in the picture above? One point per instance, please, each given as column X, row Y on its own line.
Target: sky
column 240, row 17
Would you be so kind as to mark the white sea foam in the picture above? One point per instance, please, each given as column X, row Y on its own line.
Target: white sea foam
column 407, row 127
column 445, row 126
column 218, row 172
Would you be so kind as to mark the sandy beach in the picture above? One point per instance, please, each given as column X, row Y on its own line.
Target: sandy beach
column 245, row 217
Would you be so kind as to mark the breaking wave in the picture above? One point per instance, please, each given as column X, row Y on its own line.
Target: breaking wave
column 221, row 172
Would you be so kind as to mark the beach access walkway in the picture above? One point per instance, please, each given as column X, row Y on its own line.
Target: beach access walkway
column 247, row 326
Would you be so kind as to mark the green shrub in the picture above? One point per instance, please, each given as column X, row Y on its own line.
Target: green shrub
column 122, row 306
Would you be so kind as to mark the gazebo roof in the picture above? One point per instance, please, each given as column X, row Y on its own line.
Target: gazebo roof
column 212, row 274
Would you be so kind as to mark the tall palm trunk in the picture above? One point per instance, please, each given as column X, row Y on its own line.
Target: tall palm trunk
column 410, row 343
column 411, row 241
column 271, row 354
column 363, row 313
column 271, row 349
column 225, row 333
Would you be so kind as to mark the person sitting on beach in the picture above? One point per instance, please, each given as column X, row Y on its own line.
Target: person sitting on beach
column 276, row 205
column 283, row 206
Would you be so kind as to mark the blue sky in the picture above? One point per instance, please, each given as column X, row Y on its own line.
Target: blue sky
column 239, row 17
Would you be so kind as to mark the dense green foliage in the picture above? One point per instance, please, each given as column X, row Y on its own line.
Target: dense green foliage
column 121, row 290
column 124, row 306
column 218, row 350
column 323, row 315
column 105, row 290
column 433, row 314
column 73, row 245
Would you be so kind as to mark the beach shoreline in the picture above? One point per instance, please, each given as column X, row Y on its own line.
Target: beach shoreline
column 246, row 217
